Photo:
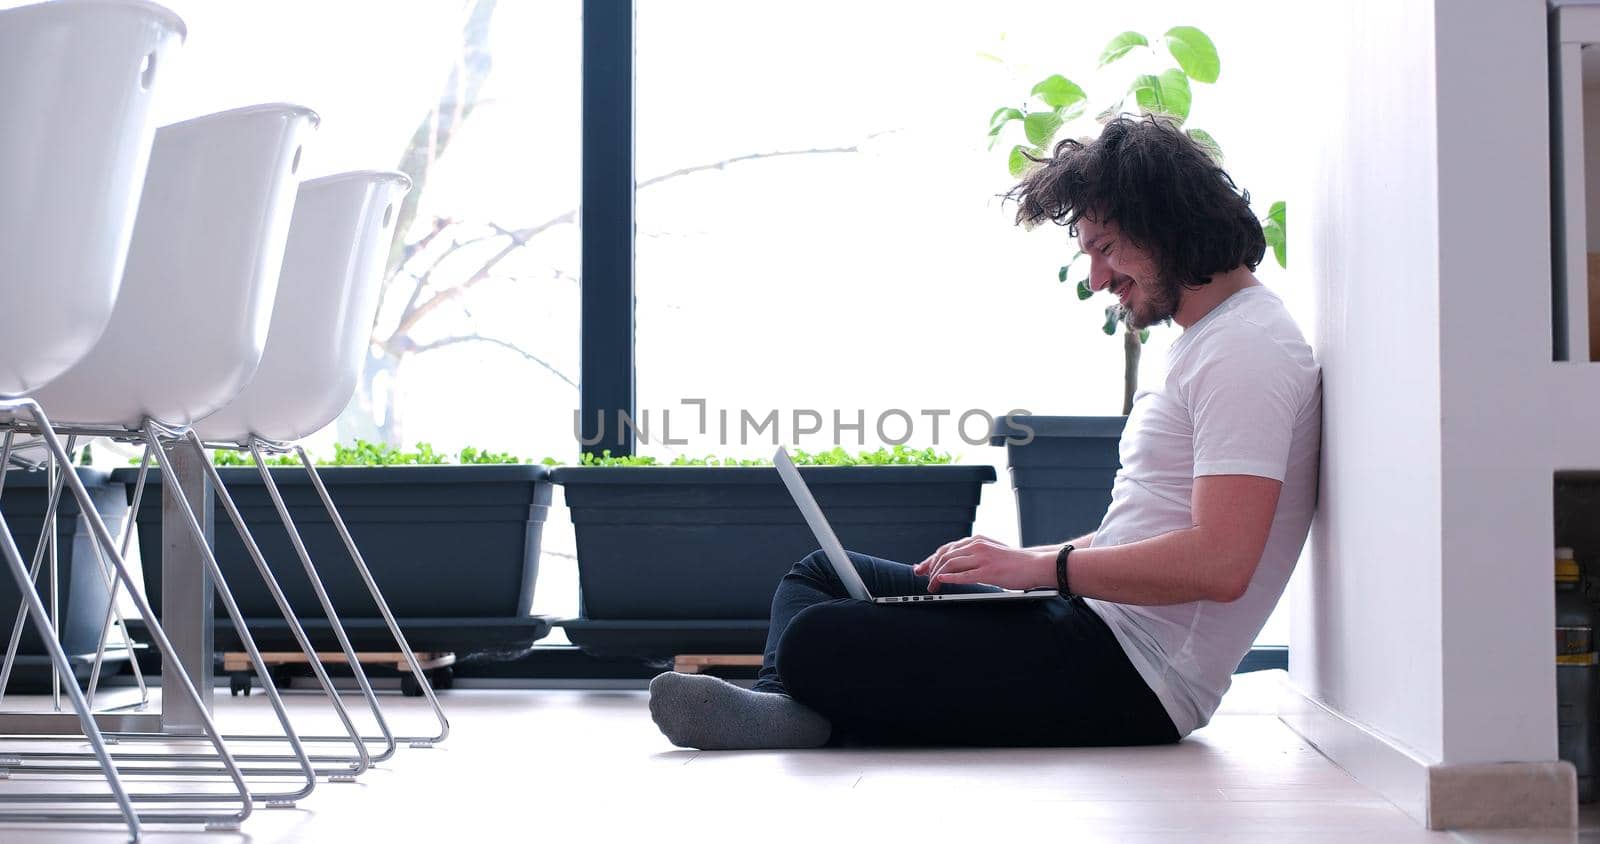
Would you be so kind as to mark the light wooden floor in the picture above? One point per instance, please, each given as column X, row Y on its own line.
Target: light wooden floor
column 555, row 765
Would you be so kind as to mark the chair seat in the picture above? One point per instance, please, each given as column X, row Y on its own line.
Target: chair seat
column 202, row 273
column 327, row 294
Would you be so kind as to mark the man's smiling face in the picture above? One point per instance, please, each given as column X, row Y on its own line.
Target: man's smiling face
column 1128, row 273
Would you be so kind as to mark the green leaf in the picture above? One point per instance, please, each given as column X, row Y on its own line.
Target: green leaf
column 1041, row 126
column 1113, row 314
column 1165, row 94
column 998, row 121
column 1195, row 53
column 1002, row 116
column 1175, row 94
column 1144, row 335
column 1017, row 162
column 1084, row 290
column 1207, row 143
column 1279, row 247
column 1067, row 270
column 1122, row 45
column 1276, row 233
column 990, row 57
column 1058, row 92
column 1146, row 91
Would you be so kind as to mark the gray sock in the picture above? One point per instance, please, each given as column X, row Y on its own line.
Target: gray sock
column 704, row 712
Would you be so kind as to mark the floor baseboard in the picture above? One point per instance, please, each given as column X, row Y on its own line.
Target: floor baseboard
column 1510, row 795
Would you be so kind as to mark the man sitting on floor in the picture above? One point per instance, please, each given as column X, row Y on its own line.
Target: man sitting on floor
column 1208, row 514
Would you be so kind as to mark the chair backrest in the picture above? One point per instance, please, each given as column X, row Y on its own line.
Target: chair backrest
column 202, row 274
column 322, row 322
column 76, row 79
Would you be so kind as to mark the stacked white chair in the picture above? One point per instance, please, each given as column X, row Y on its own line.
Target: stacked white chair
column 77, row 79
column 139, row 326
column 186, row 336
column 327, row 298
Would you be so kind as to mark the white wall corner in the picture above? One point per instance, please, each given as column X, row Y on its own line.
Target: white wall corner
column 1510, row 795
column 1497, row 516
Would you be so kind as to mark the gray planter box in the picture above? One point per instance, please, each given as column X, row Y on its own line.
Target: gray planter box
column 455, row 550
column 1063, row 477
column 685, row 559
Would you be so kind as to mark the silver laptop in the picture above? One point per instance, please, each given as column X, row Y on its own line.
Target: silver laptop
column 847, row 570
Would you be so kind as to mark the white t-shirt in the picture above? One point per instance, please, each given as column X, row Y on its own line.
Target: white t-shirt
column 1242, row 396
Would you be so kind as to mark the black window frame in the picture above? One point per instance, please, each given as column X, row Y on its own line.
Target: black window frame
column 607, row 371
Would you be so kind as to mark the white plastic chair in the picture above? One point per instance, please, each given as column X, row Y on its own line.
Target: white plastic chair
column 321, row 324
column 322, row 320
column 320, row 331
column 185, row 336
column 202, row 274
column 77, row 78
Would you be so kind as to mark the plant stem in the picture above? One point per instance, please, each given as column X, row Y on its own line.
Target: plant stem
column 1130, row 373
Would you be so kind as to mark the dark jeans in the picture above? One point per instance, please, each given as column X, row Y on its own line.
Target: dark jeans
column 1029, row 673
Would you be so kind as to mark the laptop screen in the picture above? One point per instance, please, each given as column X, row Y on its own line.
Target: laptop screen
column 819, row 526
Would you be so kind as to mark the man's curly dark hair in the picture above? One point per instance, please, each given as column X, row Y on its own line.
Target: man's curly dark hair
column 1164, row 191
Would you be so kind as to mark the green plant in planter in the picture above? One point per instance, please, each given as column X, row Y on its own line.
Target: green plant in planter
column 899, row 455
column 364, row 453
column 1161, row 87
column 228, row 457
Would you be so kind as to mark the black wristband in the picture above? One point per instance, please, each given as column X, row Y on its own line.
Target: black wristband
column 1061, row 571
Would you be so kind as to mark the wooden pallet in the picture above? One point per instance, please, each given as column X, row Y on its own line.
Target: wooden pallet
column 240, row 661
column 695, row 663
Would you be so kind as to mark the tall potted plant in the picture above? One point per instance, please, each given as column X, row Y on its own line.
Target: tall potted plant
column 1063, row 467
column 684, row 558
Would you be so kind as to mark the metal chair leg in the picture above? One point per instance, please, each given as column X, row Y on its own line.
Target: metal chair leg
column 364, row 760
column 360, row 673
column 357, row 764
column 113, row 612
column 383, row 607
column 34, row 761
column 54, row 486
column 5, row 456
column 224, row 758
column 51, row 537
column 35, row 610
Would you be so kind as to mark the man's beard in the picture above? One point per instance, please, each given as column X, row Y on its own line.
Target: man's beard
column 1155, row 306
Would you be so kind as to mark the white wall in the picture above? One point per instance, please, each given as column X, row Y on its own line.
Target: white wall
column 1366, row 622
column 1425, row 614
column 1495, row 280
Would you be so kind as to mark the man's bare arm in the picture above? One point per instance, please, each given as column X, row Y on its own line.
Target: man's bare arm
column 1081, row 542
column 1211, row 561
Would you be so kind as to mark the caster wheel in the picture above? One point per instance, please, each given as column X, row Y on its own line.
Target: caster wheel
column 442, row 678
column 239, row 683
column 409, row 685
column 283, row 677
